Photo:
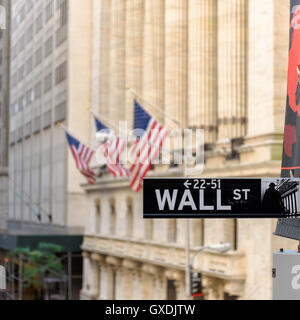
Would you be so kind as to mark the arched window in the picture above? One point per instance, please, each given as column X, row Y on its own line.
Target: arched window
column 129, row 218
column 112, row 217
column 97, row 216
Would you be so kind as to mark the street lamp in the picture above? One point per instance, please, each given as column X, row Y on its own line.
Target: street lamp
column 220, row 247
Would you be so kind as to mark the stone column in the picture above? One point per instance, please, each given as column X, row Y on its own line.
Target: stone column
column 213, row 288
column 218, row 230
column 135, row 10
column 112, row 265
column 85, row 257
column 267, row 80
column 129, row 269
column 160, row 290
column 117, row 61
column 102, row 74
column 176, row 62
column 100, row 261
column 197, row 232
column 154, row 55
column 203, row 78
column 96, row 261
column 149, row 274
column 231, row 69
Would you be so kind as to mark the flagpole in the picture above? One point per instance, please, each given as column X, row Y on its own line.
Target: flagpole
column 105, row 120
column 187, row 242
column 154, row 106
column 61, row 125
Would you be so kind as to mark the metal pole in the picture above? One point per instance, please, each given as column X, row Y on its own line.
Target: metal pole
column 188, row 268
column 69, row 254
column 13, row 279
column 155, row 107
column 20, row 277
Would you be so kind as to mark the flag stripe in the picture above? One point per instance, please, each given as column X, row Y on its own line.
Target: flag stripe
column 82, row 156
column 146, row 148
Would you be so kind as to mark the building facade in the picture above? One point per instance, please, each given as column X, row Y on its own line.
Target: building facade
column 49, row 81
column 4, row 109
column 217, row 65
column 50, row 65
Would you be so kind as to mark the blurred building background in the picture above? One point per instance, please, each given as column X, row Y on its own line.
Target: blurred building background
column 4, row 109
column 217, row 65
column 50, row 67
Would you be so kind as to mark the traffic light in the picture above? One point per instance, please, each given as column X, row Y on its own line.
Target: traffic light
column 196, row 284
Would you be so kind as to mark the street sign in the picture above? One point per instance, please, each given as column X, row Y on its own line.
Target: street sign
column 221, row 198
column 196, row 284
column 286, row 275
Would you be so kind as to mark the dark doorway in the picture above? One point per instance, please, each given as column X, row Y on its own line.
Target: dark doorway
column 171, row 290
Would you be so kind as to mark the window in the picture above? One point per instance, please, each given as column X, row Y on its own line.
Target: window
column 98, row 217
column 39, row 23
column 48, row 83
column 48, row 46
column 28, row 98
column 60, row 112
column 112, row 217
column 130, row 218
column 49, row 11
column 61, row 35
column 60, row 73
column 29, row 34
column 171, row 290
column 21, row 73
column 29, row 65
column 38, row 57
column 63, row 12
column 38, row 90
column 61, row 32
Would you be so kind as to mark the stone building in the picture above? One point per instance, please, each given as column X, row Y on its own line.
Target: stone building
column 4, row 108
column 219, row 65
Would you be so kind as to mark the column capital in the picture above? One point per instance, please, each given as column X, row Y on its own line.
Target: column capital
column 151, row 269
column 86, row 254
column 113, row 261
column 97, row 257
column 130, row 264
column 174, row 275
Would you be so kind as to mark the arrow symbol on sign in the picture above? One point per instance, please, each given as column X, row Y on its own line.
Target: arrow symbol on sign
column 187, row 184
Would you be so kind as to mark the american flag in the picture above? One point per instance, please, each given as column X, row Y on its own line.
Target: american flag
column 147, row 147
column 112, row 150
column 82, row 155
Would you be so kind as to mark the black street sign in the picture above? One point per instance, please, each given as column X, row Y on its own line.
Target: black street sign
column 220, row 198
column 196, row 284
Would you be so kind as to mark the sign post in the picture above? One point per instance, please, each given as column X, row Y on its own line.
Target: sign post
column 2, row 283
